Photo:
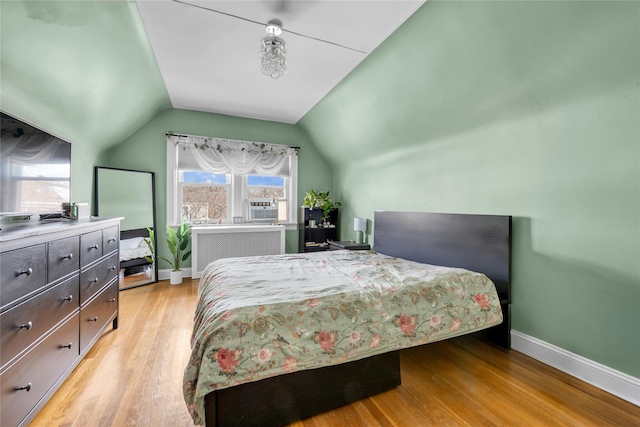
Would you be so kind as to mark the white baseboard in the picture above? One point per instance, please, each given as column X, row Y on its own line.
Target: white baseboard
column 617, row 383
column 164, row 274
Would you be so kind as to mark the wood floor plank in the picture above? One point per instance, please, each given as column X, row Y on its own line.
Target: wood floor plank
column 373, row 409
column 457, row 403
column 367, row 417
column 487, row 395
column 133, row 377
column 395, row 406
column 563, row 394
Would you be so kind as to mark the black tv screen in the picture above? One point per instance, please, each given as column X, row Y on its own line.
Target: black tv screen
column 35, row 169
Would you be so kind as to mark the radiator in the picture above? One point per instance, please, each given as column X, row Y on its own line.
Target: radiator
column 209, row 243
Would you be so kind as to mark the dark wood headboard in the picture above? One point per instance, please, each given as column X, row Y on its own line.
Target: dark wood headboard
column 479, row 243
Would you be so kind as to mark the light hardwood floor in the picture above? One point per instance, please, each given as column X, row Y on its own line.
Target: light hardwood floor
column 133, row 377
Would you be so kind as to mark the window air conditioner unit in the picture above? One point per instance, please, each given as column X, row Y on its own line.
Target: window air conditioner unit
column 262, row 211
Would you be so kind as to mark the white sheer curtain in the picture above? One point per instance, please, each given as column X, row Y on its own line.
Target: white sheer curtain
column 27, row 148
column 238, row 157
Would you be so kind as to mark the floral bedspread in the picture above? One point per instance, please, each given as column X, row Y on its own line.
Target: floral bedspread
column 259, row 317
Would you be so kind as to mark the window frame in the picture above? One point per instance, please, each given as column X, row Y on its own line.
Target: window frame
column 237, row 190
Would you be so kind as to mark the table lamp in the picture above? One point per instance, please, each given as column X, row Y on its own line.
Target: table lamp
column 360, row 226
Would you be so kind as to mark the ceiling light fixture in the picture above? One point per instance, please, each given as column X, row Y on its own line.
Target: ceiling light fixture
column 273, row 51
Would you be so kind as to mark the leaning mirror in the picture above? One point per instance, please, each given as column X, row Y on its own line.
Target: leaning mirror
column 130, row 194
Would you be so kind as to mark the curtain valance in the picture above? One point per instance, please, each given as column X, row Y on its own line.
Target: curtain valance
column 238, row 157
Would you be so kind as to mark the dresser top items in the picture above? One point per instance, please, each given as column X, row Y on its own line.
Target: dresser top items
column 11, row 233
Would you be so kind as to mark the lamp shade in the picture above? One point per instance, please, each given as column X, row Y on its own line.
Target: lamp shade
column 360, row 224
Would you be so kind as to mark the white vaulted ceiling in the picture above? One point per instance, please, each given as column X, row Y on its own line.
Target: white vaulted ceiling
column 207, row 51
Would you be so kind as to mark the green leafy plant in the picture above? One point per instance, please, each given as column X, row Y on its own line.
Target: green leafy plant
column 320, row 199
column 310, row 200
column 148, row 240
column 178, row 241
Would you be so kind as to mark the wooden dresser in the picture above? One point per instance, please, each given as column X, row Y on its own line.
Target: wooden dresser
column 58, row 293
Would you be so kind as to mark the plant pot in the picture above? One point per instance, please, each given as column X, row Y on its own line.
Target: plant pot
column 176, row 277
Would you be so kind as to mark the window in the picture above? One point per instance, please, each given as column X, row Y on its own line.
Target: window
column 210, row 180
column 266, row 187
column 204, row 196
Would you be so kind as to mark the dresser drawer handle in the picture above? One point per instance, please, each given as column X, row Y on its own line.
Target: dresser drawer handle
column 70, row 256
column 96, row 246
column 67, row 346
column 27, row 325
column 27, row 388
column 28, row 272
column 111, row 240
column 96, row 280
column 93, row 319
column 112, row 300
column 113, row 267
column 69, row 298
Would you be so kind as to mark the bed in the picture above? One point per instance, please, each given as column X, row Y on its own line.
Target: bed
column 269, row 348
column 133, row 250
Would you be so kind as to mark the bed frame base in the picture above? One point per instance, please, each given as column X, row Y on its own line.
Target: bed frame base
column 287, row 398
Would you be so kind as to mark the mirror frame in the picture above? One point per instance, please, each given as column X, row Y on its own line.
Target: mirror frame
column 152, row 175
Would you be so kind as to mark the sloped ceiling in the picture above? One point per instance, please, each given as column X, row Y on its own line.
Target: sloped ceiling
column 96, row 71
column 82, row 70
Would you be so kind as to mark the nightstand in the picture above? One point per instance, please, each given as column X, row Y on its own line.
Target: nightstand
column 349, row 244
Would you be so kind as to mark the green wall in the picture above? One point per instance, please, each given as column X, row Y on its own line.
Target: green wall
column 82, row 70
column 528, row 109
column 146, row 150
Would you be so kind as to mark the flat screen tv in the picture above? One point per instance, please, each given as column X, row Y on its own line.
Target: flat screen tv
column 35, row 169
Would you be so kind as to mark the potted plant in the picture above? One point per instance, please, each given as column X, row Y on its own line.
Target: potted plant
column 178, row 241
column 320, row 199
column 148, row 240
column 311, row 200
column 151, row 259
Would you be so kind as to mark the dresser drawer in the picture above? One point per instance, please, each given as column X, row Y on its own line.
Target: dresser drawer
column 95, row 316
column 110, row 239
column 27, row 322
column 63, row 257
column 38, row 370
column 90, row 247
column 93, row 279
column 22, row 272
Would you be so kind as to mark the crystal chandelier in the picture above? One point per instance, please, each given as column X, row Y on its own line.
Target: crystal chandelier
column 273, row 51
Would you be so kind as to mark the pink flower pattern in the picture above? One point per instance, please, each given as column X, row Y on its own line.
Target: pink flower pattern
column 375, row 341
column 327, row 341
column 314, row 302
column 407, row 324
column 227, row 360
column 289, row 364
column 483, row 301
column 435, row 320
column 264, row 355
column 228, row 315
